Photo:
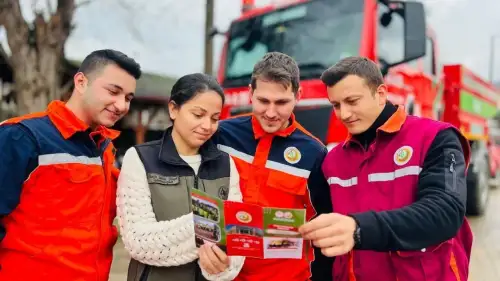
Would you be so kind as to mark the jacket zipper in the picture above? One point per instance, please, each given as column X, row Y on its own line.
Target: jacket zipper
column 101, row 151
column 452, row 170
column 195, row 187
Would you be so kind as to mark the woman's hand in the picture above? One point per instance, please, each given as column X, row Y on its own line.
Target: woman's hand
column 212, row 259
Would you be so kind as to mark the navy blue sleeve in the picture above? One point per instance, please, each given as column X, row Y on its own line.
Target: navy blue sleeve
column 18, row 155
column 319, row 190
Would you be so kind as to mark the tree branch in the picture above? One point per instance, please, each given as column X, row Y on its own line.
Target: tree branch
column 62, row 19
column 15, row 26
column 49, row 7
column 33, row 6
column 4, row 10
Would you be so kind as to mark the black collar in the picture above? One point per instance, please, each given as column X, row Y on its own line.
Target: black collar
column 367, row 137
column 170, row 155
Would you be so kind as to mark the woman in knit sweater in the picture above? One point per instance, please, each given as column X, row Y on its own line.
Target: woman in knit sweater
column 153, row 198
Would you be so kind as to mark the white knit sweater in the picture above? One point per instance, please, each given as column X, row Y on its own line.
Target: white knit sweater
column 162, row 243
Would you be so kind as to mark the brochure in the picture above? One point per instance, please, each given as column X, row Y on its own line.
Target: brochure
column 243, row 229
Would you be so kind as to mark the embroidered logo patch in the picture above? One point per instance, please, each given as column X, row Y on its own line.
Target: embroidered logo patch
column 223, row 192
column 403, row 155
column 292, row 155
column 163, row 180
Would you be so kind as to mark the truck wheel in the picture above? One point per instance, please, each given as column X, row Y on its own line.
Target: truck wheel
column 477, row 187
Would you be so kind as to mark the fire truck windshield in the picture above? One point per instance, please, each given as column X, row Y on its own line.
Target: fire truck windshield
column 316, row 34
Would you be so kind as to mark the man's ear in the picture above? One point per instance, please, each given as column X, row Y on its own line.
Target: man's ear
column 250, row 89
column 81, row 82
column 382, row 93
column 298, row 95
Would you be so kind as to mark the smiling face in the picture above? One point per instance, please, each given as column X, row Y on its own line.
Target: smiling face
column 356, row 104
column 106, row 95
column 272, row 105
column 196, row 120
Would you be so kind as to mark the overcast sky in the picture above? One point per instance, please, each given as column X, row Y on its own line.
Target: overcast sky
column 166, row 36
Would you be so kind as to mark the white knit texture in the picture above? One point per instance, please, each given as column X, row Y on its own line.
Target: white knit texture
column 160, row 243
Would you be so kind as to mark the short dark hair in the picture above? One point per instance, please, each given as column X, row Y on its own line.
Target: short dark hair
column 359, row 66
column 188, row 86
column 277, row 67
column 97, row 60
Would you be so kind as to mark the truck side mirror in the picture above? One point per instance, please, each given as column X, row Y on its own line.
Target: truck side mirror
column 406, row 21
column 415, row 30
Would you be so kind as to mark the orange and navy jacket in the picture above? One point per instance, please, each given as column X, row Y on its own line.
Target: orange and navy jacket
column 57, row 198
column 279, row 170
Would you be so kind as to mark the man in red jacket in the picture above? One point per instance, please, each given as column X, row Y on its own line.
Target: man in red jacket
column 279, row 163
column 58, row 180
column 398, row 187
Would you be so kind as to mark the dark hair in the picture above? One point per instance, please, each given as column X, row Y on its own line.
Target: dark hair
column 359, row 66
column 277, row 67
column 99, row 59
column 188, row 86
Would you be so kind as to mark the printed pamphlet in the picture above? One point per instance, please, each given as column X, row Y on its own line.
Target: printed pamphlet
column 243, row 229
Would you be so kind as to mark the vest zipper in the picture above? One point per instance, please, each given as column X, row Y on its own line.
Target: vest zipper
column 189, row 192
column 145, row 273
column 452, row 170
column 195, row 187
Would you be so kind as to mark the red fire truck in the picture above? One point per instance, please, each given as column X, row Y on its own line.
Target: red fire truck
column 318, row 33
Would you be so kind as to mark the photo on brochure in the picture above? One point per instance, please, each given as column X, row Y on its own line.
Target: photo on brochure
column 282, row 239
column 208, row 213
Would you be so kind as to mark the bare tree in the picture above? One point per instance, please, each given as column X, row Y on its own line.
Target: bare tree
column 37, row 50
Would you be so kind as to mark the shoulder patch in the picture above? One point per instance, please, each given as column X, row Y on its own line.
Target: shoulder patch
column 223, row 192
column 292, row 155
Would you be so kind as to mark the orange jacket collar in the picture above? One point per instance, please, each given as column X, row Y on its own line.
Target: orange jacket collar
column 259, row 132
column 68, row 124
column 392, row 125
column 395, row 122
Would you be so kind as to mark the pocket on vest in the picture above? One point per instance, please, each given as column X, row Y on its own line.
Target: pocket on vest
column 437, row 263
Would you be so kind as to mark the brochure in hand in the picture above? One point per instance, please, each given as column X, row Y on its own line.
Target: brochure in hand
column 247, row 230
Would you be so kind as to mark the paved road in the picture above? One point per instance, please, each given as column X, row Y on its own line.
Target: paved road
column 485, row 264
column 120, row 263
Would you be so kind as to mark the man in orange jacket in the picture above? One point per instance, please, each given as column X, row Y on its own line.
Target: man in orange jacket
column 57, row 179
column 279, row 164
